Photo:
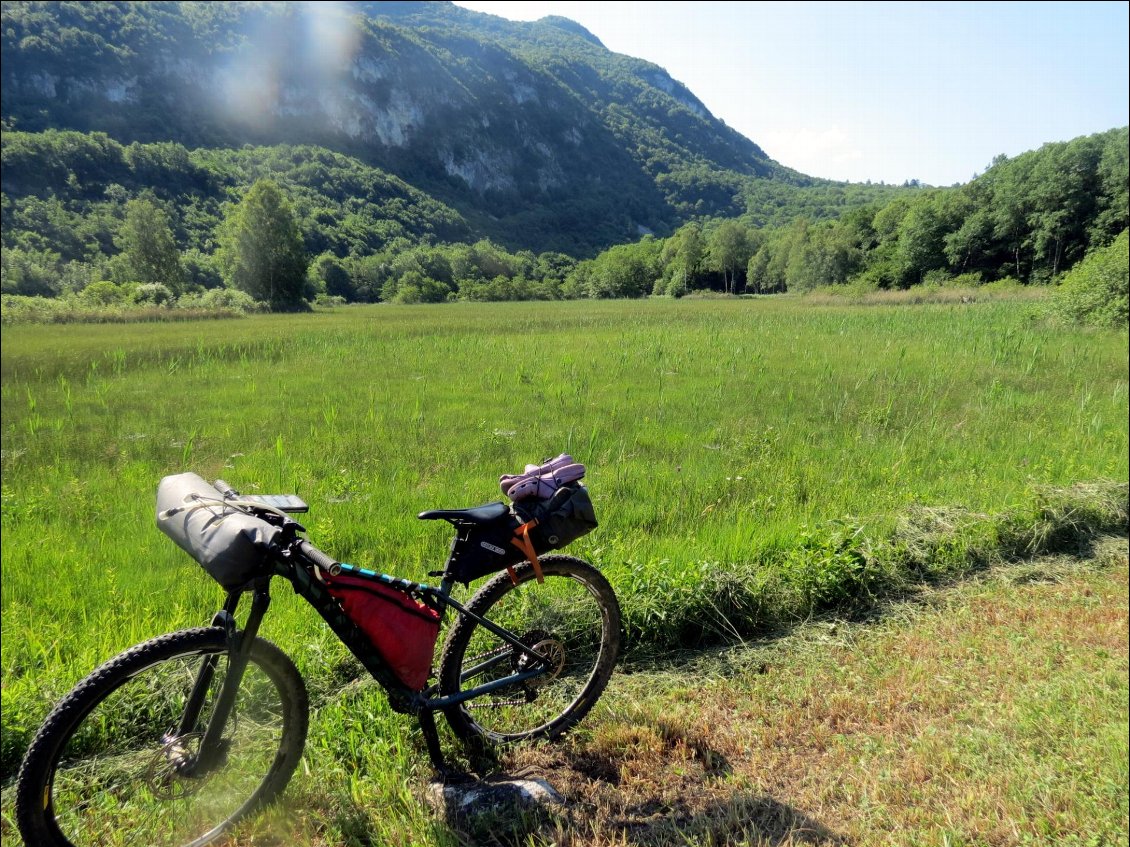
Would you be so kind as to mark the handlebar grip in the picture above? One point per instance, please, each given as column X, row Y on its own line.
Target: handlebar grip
column 225, row 489
column 326, row 562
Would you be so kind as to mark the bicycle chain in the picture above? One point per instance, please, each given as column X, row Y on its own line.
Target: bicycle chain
column 497, row 651
column 497, row 704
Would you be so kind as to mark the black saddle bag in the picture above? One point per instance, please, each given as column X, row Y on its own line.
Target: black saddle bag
column 549, row 524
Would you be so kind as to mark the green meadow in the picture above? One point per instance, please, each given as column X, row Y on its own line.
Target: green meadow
column 753, row 462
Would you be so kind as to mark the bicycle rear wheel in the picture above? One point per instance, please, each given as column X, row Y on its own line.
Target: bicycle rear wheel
column 573, row 619
column 108, row 766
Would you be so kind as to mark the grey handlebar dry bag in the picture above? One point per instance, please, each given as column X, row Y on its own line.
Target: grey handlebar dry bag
column 230, row 544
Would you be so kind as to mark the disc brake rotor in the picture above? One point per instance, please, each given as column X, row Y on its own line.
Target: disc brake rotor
column 554, row 653
column 170, row 768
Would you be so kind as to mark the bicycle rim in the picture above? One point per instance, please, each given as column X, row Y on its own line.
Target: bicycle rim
column 122, row 774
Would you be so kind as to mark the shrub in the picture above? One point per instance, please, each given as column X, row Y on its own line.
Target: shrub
column 153, row 294
column 201, row 270
column 970, row 280
column 227, row 299
column 707, row 294
column 105, row 293
column 1005, row 285
column 20, row 308
column 1096, row 290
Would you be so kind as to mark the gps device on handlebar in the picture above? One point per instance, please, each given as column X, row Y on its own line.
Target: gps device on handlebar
column 289, row 503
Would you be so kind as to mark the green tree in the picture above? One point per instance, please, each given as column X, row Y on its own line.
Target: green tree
column 969, row 241
column 201, row 270
column 921, row 242
column 1063, row 191
column 330, row 275
column 1011, row 205
column 756, row 274
column 626, row 270
column 1114, row 179
column 684, row 252
column 146, row 239
column 28, row 273
column 781, row 270
column 414, row 287
column 729, row 252
column 826, row 256
column 260, row 248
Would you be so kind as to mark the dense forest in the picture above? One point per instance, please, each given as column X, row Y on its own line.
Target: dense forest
column 115, row 193
column 1028, row 218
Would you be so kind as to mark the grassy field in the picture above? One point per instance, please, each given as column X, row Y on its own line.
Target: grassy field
column 752, row 462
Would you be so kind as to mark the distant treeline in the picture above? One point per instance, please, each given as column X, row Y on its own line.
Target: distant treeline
column 371, row 237
column 1029, row 219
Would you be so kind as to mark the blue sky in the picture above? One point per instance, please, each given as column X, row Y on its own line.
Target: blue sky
column 880, row 91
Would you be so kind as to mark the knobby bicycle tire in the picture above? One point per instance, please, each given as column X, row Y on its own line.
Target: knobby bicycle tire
column 573, row 619
column 105, row 768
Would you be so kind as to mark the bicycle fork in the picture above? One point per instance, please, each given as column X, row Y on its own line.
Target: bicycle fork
column 212, row 750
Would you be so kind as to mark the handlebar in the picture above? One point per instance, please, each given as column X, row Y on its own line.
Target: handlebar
column 323, row 560
column 225, row 489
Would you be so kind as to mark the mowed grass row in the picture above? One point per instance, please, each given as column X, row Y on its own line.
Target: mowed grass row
column 764, row 439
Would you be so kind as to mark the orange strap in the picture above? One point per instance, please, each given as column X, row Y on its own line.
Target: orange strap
column 521, row 540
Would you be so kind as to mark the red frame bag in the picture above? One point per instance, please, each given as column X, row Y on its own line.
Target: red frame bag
column 400, row 627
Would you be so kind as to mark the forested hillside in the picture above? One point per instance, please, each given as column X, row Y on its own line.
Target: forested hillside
column 539, row 136
column 370, row 236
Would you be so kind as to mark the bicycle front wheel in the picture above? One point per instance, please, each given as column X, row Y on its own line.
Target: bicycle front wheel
column 111, row 765
column 572, row 619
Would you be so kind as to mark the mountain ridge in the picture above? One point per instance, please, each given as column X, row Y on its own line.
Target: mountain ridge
column 530, row 128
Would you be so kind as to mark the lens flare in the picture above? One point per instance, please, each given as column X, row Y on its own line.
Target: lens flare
column 300, row 63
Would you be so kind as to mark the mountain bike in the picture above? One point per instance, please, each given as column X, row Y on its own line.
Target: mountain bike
column 176, row 739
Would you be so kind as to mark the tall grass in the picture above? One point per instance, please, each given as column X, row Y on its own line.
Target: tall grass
column 750, row 453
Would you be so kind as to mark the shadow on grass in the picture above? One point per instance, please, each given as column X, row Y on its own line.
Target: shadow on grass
column 655, row 778
column 743, row 818
column 740, row 818
column 725, row 655
column 651, row 784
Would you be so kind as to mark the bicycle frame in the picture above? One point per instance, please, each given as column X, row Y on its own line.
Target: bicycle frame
column 299, row 570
